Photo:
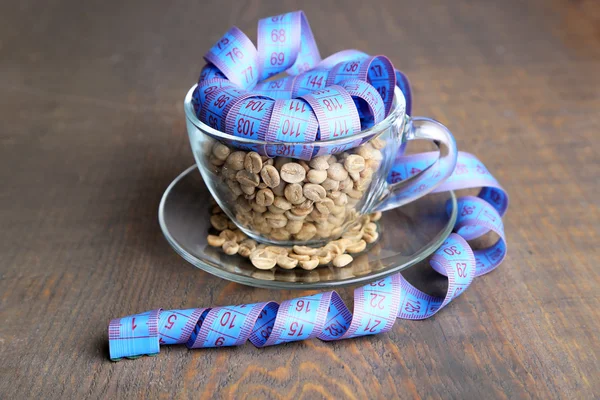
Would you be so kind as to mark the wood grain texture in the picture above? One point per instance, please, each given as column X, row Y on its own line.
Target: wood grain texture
column 93, row 132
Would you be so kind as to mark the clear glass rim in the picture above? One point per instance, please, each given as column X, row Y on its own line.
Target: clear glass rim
column 402, row 262
column 398, row 111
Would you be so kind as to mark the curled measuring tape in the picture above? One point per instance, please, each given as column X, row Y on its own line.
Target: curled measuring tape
column 324, row 315
column 345, row 93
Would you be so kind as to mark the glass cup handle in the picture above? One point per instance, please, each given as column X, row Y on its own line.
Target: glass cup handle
column 405, row 191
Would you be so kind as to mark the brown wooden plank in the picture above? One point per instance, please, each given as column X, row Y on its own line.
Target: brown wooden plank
column 93, row 132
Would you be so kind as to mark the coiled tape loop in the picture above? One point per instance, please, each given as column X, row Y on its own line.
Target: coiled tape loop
column 237, row 71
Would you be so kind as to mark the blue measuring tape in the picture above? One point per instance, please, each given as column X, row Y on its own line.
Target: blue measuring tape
column 286, row 44
column 335, row 111
column 292, row 121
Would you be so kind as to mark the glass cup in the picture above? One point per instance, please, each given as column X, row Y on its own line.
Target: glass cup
column 325, row 195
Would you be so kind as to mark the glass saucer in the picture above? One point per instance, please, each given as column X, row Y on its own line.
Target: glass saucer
column 408, row 235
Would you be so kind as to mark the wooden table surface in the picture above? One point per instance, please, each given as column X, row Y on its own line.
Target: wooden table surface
column 93, row 132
